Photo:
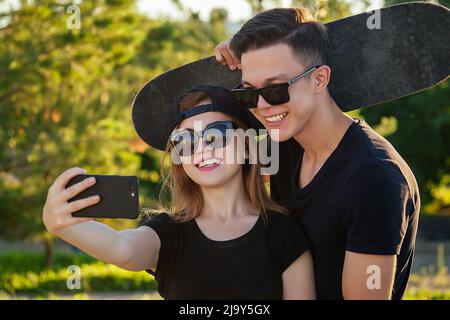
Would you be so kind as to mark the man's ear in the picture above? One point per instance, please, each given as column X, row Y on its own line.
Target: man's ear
column 322, row 78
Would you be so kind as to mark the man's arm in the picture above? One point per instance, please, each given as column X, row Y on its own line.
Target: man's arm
column 368, row 276
column 225, row 56
column 375, row 218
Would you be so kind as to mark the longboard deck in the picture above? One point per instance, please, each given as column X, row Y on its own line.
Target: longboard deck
column 409, row 53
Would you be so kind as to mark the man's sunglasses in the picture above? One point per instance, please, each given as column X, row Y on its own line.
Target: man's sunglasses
column 216, row 135
column 274, row 94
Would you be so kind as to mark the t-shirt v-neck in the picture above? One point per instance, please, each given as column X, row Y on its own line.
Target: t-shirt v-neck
column 364, row 199
column 325, row 170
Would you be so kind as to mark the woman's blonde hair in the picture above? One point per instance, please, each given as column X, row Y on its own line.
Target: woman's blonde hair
column 185, row 196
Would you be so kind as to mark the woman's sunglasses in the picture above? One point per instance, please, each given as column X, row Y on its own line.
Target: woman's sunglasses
column 216, row 135
column 274, row 94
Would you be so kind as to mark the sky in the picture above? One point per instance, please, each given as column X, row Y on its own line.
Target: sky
column 237, row 9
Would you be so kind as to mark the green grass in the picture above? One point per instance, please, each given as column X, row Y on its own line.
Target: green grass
column 426, row 294
column 23, row 273
column 429, row 286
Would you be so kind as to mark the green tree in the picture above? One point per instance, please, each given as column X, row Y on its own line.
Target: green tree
column 65, row 96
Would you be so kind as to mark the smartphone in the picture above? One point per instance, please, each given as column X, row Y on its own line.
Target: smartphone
column 119, row 196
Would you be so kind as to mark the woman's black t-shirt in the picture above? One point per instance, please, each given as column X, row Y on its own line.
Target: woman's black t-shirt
column 192, row 266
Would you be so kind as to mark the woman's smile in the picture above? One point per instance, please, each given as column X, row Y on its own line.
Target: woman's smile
column 209, row 164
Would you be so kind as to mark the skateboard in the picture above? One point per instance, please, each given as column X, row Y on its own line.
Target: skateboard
column 375, row 57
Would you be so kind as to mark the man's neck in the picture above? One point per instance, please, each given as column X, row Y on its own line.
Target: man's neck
column 323, row 131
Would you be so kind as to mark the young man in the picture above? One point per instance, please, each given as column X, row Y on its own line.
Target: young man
column 346, row 185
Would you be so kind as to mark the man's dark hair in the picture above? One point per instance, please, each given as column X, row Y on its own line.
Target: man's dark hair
column 295, row 27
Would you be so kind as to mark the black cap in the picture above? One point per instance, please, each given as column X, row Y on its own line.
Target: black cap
column 154, row 126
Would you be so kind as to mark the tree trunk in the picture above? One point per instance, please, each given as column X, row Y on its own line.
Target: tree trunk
column 48, row 245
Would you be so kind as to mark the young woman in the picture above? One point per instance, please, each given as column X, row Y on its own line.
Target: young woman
column 222, row 238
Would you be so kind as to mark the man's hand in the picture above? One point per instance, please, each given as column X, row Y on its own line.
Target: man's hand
column 368, row 276
column 225, row 56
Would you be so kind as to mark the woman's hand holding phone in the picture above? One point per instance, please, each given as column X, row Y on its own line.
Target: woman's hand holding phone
column 57, row 213
column 131, row 249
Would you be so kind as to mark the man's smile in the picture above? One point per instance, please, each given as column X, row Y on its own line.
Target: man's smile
column 276, row 118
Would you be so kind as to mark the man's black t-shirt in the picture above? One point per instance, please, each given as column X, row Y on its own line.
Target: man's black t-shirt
column 364, row 199
column 193, row 266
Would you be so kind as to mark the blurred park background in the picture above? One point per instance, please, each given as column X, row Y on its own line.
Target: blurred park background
column 66, row 89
